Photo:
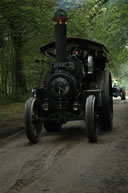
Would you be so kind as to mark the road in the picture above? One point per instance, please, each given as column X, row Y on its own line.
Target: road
column 65, row 162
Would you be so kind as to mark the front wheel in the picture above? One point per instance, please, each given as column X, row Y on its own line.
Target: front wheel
column 90, row 118
column 33, row 124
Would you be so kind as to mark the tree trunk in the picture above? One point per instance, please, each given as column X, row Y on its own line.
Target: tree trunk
column 4, row 71
column 20, row 82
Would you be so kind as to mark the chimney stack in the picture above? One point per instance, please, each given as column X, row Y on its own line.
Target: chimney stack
column 60, row 19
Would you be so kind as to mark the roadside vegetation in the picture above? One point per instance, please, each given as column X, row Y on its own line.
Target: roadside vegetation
column 11, row 118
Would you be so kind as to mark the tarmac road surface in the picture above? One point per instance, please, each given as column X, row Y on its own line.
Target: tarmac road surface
column 65, row 162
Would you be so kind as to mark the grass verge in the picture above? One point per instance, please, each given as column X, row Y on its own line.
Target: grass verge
column 11, row 118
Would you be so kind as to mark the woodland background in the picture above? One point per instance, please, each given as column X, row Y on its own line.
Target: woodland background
column 25, row 25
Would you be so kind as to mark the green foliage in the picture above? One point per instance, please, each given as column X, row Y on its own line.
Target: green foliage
column 105, row 22
column 111, row 27
column 10, row 98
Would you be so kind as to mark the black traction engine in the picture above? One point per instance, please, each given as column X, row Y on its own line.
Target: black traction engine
column 76, row 87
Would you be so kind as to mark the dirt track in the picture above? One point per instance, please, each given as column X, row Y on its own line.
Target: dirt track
column 65, row 163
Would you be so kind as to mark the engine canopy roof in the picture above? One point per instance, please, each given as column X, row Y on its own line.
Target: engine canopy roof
column 50, row 49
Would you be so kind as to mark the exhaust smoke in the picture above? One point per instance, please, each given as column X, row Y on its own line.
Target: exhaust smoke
column 68, row 4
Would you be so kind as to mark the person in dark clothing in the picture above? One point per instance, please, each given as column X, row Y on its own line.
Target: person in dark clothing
column 100, row 61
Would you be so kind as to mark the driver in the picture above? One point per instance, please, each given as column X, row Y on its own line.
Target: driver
column 100, row 60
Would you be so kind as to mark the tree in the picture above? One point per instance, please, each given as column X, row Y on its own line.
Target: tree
column 21, row 23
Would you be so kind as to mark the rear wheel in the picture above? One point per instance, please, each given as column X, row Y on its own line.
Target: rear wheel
column 33, row 124
column 52, row 126
column 90, row 117
column 104, row 82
